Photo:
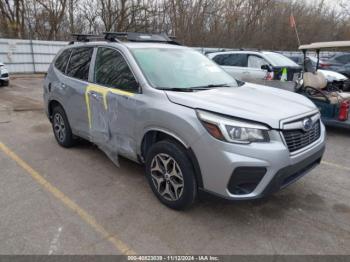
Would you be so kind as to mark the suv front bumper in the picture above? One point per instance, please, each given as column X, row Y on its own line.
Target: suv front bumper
column 290, row 174
column 271, row 161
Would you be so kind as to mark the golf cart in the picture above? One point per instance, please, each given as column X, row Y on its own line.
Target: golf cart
column 329, row 97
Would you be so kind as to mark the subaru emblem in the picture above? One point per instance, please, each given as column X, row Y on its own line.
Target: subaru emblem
column 307, row 124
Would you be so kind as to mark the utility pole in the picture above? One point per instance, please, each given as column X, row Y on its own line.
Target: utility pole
column 31, row 45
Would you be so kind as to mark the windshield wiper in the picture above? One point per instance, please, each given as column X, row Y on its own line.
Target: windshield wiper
column 193, row 88
column 211, row 86
column 179, row 89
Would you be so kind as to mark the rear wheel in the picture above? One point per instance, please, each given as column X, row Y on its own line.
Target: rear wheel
column 170, row 174
column 61, row 128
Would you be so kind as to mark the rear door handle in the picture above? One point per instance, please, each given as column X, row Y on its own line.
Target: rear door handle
column 63, row 86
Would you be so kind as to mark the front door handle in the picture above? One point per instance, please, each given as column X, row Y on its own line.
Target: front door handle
column 63, row 86
column 95, row 96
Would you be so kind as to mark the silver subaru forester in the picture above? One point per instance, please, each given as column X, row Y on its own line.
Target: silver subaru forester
column 192, row 125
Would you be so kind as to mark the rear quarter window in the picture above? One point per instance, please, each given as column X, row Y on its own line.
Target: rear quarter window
column 79, row 63
column 62, row 60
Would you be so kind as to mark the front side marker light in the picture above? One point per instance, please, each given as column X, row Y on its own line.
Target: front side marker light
column 214, row 130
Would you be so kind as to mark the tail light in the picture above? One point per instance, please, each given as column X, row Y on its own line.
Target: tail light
column 269, row 76
column 344, row 111
column 324, row 65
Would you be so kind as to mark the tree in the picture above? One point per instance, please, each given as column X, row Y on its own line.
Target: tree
column 13, row 20
column 55, row 11
column 226, row 23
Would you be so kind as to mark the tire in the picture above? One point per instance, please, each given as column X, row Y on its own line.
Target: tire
column 7, row 83
column 61, row 128
column 176, row 187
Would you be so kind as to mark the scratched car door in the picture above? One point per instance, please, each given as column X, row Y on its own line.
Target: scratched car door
column 112, row 102
column 75, row 87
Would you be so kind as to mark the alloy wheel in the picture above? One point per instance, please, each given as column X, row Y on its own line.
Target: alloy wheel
column 167, row 177
column 59, row 127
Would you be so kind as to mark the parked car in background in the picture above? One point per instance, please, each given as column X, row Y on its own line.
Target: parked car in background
column 339, row 63
column 330, row 75
column 299, row 59
column 4, row 75
column 191, row 124
column 342, row 69
column 342, row 58
column 254, row 66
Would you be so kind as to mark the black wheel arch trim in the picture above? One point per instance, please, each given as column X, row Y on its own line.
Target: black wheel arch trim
column 197, row 169
column 146, row 139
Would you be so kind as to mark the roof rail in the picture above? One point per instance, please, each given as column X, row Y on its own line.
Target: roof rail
column 114, row 36
column 140, row 37
column 219, row 50
column 84, row 38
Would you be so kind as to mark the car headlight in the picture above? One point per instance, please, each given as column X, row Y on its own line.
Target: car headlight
column 233, row 130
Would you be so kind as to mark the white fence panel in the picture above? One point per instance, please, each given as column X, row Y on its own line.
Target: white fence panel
column 26, row 56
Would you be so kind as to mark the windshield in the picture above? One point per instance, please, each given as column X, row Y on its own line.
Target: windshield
column 180, row 68
column 280, row 60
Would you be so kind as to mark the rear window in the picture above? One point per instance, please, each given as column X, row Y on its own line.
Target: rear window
column 62, row 60
column 240, row 60
column 79, row 63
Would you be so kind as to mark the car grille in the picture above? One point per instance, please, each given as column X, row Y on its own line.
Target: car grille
column 298, row 139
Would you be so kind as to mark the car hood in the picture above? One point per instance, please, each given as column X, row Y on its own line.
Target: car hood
column 332, row 76
column 252, row 102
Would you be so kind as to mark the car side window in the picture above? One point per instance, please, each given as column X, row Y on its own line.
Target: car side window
column 255, row 61
column 62, row 60
column 79, row 63
column 113, row 71
column 219, row 59
column 239, row 60
column 294, row 58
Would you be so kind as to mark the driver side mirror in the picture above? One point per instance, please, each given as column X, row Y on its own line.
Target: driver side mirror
column 267, row 68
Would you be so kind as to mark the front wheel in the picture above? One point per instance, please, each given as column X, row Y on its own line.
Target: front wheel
column 170, row 174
